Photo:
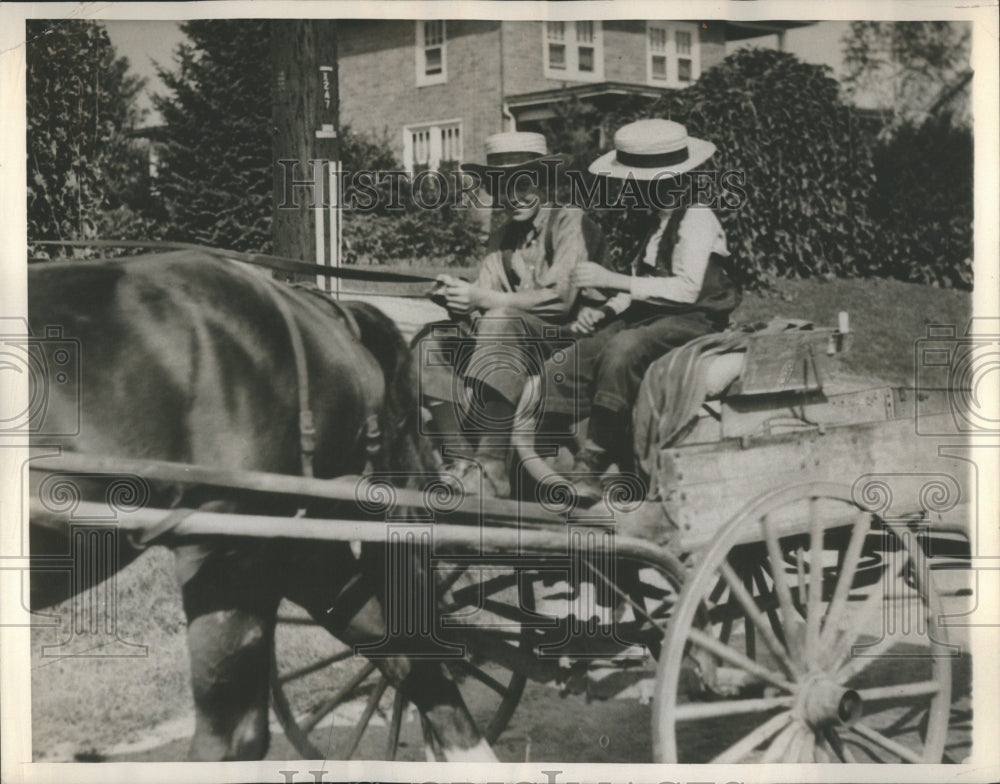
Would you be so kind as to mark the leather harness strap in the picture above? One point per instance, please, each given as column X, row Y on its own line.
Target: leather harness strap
column 307, row 424
column 280, row 263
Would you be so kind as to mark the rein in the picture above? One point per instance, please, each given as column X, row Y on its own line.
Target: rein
column 279, row 263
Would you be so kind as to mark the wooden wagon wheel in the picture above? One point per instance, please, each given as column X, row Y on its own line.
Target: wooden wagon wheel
column 316, row 680
column 815, row 624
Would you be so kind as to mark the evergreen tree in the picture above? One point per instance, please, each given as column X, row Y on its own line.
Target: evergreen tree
column 215, row 164
column 87, row 178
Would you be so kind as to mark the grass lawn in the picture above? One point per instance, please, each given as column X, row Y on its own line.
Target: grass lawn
column 887, row 317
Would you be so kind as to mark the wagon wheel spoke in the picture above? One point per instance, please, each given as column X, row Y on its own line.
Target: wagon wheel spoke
column 432, row 751
column 841, row 650
column 309, row 669
column 800, row 573
column 772, row 613
column 758, row 620
column 812, row 598
column 392, row 742
column 807, row 751
column 782, row 742
column 737, row 659
column 752, row 740
column 749, row 633
column 815, row 595
column 789, row 615
column 717, row 591
column 327, row 707
column 623, row 596
column 845, row 579
column 366, row 717
column 906, row 691
column 480, row 675
column 695, row 711
column 836, row 743
column 880, row 740
column 726, row 631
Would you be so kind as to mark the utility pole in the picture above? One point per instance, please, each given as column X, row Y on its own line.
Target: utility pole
column 306, row 147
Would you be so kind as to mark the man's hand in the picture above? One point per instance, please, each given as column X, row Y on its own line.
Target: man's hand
column 460, row 295
column 587, row 274
column 587, row 320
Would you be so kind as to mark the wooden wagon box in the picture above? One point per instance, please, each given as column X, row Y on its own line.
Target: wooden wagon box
column 864, row 440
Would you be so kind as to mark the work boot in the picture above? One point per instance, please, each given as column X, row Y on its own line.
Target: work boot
column 492, row 471
column 496, row 477
column 590, row 465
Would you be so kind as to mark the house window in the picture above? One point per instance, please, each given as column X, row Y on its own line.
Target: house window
column 432, row 52
column 672, row 53
column 432, row 145
column 683, row 40
column 573, row 51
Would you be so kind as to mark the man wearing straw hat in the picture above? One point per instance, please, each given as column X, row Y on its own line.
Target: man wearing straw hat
column 678, row 285
column 512, row 316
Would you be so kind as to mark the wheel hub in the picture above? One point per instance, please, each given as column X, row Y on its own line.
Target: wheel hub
column 823, row 702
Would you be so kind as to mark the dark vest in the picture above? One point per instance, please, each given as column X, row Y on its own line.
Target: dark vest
column 718, row 297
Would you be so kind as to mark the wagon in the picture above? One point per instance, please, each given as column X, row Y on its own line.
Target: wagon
column 770, row 588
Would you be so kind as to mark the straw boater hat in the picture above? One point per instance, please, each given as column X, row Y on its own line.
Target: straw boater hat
column 512, row 151
column 656, row 148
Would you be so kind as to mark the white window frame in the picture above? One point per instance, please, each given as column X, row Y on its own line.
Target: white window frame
column 572, row 72
column 434, row 142
column 670, row 52
column 420, row 50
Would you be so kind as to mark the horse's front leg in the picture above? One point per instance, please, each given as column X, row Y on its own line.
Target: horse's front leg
column 342, row 595
column 230, row 600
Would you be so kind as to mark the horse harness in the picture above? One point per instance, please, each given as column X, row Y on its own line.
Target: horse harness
column 307, row 423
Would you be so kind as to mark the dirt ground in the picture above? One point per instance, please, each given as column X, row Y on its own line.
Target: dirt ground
column 138, row 708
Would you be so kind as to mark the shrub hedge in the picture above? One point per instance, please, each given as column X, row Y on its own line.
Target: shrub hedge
column 824, row 197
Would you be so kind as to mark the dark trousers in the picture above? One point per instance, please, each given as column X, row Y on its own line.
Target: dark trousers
column 500, row 349
column 608, row 368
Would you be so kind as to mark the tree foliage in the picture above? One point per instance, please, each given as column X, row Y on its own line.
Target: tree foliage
column 87, row 177
column 215, row 162
column 922, row 202
column 906, row 66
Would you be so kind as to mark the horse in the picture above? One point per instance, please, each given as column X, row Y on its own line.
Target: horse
column 190, row 357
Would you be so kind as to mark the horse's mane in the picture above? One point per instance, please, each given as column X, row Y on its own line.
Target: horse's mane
column 407, row 451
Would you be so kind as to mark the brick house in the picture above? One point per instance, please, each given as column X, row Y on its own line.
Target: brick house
column 440, row 87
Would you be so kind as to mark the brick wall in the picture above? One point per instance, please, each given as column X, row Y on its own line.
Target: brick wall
column 378, row 85
column 625, row 51
column 378, row 90
column 713, row 44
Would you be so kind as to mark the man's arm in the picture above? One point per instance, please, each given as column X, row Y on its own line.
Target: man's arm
column 699, row 237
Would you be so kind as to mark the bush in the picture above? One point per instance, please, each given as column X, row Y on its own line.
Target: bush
column 449, row 236
column 922, row 203
column 813, row 205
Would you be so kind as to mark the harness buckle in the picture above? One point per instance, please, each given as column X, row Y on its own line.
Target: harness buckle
column 307, row 432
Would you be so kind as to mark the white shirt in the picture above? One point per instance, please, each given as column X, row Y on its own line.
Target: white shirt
column 698, row 237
